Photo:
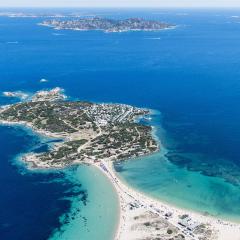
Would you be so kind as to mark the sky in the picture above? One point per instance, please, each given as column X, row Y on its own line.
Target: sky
column 120, row 3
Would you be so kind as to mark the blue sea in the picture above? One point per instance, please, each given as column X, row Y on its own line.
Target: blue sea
column 189, row 75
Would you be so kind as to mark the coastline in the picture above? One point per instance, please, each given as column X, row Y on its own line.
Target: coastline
column 224, row 230
column 29, row 125
column 144, row 205
column 123, row 189
column 99, row 30
column 90, row 217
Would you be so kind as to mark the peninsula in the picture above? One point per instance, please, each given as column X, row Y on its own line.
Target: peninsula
column 107, row 25
column 100, row 134
column 90, row 131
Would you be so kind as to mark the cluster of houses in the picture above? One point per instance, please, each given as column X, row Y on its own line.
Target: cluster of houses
column 188, row 223
column 110, row 113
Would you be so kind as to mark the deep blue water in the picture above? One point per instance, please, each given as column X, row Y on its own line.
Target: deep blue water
column 190, row 74
column 30, row 201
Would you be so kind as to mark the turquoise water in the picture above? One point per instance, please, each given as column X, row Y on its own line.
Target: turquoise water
column 156, row 176
column 162, row 180
column 97, row 218
column 62, row 204
column 190, row 74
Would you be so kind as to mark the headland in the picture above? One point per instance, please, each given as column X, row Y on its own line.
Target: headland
column 99, row 135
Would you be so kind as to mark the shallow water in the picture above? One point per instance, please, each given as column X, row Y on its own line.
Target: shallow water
column 95, row 218
column 159, row 178
column 73, row 202
column 190, row 74
column 156, row 176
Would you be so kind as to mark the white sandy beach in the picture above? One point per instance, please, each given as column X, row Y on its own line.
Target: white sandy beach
column 143, row 217
column 129, row 229
column 136, row 208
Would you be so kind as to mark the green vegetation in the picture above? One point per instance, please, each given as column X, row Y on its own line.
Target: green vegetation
column 90, row 131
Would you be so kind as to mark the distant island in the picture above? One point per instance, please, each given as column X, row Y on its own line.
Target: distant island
column 36, row 14
column 107, row 25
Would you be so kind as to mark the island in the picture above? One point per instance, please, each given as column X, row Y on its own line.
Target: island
column 17, row 94
column 100, row 134
column 107, row 25
column 90, row 131
column 43, row 80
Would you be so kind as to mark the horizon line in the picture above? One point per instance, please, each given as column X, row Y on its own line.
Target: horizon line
column 123, row 7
